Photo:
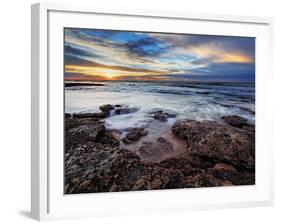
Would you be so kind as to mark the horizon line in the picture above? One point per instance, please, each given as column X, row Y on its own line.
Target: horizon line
column 119, row 80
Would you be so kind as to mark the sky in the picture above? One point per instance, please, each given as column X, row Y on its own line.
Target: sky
column 94, row 55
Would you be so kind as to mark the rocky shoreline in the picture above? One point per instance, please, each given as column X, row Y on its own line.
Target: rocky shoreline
column 96, row 159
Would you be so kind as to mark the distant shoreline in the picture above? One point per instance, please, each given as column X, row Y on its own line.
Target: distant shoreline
column 69, row 83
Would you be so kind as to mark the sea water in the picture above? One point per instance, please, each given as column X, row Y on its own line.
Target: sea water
column 193, row 100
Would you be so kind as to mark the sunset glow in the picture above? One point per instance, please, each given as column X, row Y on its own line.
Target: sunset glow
column 121, row 55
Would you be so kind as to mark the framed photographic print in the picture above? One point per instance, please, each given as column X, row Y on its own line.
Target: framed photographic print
column 142, row 111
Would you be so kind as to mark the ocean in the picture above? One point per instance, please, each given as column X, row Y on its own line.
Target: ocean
column 192, row 100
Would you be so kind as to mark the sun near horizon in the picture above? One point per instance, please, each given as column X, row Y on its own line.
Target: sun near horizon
column 123, row 55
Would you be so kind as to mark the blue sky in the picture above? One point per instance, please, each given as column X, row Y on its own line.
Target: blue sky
column 121, row 55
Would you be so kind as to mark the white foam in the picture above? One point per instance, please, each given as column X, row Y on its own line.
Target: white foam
column 147, row 97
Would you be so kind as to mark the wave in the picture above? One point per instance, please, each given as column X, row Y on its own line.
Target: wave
column 195, row 101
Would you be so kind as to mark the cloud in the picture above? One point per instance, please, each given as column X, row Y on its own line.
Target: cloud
column 73, row 61
column 81, row 77
column 121, row 54
column 70, row 50
column 219, row 49
column 215, row 52
column 147, row 46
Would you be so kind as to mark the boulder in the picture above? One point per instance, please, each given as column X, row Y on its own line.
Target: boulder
column 158, row 149
column 124, row 109
column 162, row 116
column 106, row 108
column 88, row 131
column 227, row 172
column 134, row 134
column 218, row 142
column 99, row 115
column 67, row 115
column 217, row 155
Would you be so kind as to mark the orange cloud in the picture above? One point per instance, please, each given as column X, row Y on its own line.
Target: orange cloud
column 108, row 73
column 219, row 55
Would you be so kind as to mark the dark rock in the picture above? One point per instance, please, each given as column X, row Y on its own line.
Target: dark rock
column 106, row 108
column 134, row 134
column 94, row 161
column 198, row 161
column 67, row 115
column 207, row 180
column 162, row 116
column 123, row 109
column 103, row 168
column 235, row 121
column 176, row 163
column 88, row 131
column 98, row 115
column 229, row 173
column 82, row 130
column 149, row 150
column 218, row 142
column 110, row 138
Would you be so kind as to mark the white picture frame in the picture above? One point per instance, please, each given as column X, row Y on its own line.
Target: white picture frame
column 47, row 200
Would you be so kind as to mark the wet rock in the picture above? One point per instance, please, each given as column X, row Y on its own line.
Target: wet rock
column 204, row 179
column 95, row 161
column 162, row 116
column 235, row 121
column 106, row 111
column 99, row 115
column 88, row 131
column 134, row 134
column 218, row 142
column 82, row 130
column 106, row 108
column 87, row 167
column 110, row 138
column 67, row 115
column 197, row 161
column 158, row 149
column 97, row 167
column 124, row 109
column 231, row 175
column 176, row 163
